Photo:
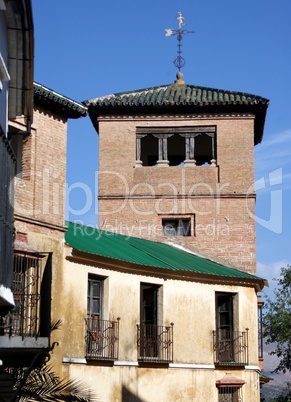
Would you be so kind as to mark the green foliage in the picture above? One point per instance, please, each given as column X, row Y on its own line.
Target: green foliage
column 43, row 384
column 277, row 321
column 282, row 398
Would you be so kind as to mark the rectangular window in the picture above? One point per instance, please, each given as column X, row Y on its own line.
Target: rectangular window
column 224, row 327
column 149, row 320
column 94, row 338
column 230, row 345
column 155, row 342
column 102, row 336
column 230, row 394
column 94, row 297
column 176, row 227
column 224, row 311
column 30, row 316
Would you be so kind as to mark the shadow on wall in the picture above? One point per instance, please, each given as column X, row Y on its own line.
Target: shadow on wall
column 128, row 396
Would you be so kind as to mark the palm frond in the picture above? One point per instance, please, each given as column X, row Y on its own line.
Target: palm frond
column 56, row 325
column 45, row 385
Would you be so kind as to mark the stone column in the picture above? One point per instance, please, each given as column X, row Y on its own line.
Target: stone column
column 138, row 162
column 189, row 149
column 163, row 149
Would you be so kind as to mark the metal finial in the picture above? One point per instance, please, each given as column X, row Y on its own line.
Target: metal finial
column 179, row 61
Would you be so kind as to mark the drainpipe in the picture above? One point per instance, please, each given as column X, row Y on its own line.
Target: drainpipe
column 20, row 132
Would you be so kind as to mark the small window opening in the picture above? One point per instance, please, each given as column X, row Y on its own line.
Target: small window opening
column 149, row 150
column 229, row 394
column 176, row 227
column 176, row 150
column 203, row 150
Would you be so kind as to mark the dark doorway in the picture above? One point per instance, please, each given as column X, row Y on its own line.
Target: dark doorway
column 149, row 320
column 224, row 327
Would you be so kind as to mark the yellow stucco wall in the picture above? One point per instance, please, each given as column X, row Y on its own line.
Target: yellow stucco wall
column 115, row 384
column 189, row 305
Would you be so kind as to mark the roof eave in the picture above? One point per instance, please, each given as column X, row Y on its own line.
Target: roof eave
column 130, row 267
column 61, row 105
column 259, row 110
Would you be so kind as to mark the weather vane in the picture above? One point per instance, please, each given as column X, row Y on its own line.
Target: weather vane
column 179, row 61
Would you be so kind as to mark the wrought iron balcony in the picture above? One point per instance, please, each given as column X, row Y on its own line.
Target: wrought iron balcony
column 230, row 347
column 30, row 318
column 155, row 343
column 25, row 318
column 102, row 338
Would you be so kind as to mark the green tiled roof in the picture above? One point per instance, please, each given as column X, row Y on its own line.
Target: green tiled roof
column 181, row 98
column 147, row 253
column 171, row 95
column 265, row 378
column 58, row 103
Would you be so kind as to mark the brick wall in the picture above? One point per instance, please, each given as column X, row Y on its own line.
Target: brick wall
column 40, row 191
column 219, row 200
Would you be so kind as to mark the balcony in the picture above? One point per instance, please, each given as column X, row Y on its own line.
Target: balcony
column 155, row 343
column 102, row 338
column 230, row 348
column 25, row 330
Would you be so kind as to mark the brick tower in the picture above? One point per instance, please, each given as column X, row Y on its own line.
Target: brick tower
column 176, row 164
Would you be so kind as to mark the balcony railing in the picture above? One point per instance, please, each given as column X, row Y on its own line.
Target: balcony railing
column 155, row 343
column 25, row 330
column 24, row 320
column 230, row 347
column 102, row 338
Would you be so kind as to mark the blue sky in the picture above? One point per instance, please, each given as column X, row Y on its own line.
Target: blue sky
column 96, row 47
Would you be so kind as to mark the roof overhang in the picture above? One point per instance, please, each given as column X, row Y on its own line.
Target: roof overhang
column 185, row 100
column 57, row 103
column 230, row 381
column 258, row 112
column 97, row 260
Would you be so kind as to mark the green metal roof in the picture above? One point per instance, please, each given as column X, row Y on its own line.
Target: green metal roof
column 145, row 252
column 58, row 103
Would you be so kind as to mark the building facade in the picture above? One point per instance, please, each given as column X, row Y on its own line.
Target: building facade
column 147, row 321
column 141, row 320
column 177, row 164
column 39, row 221
column 167, row 298
column 16, row 99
